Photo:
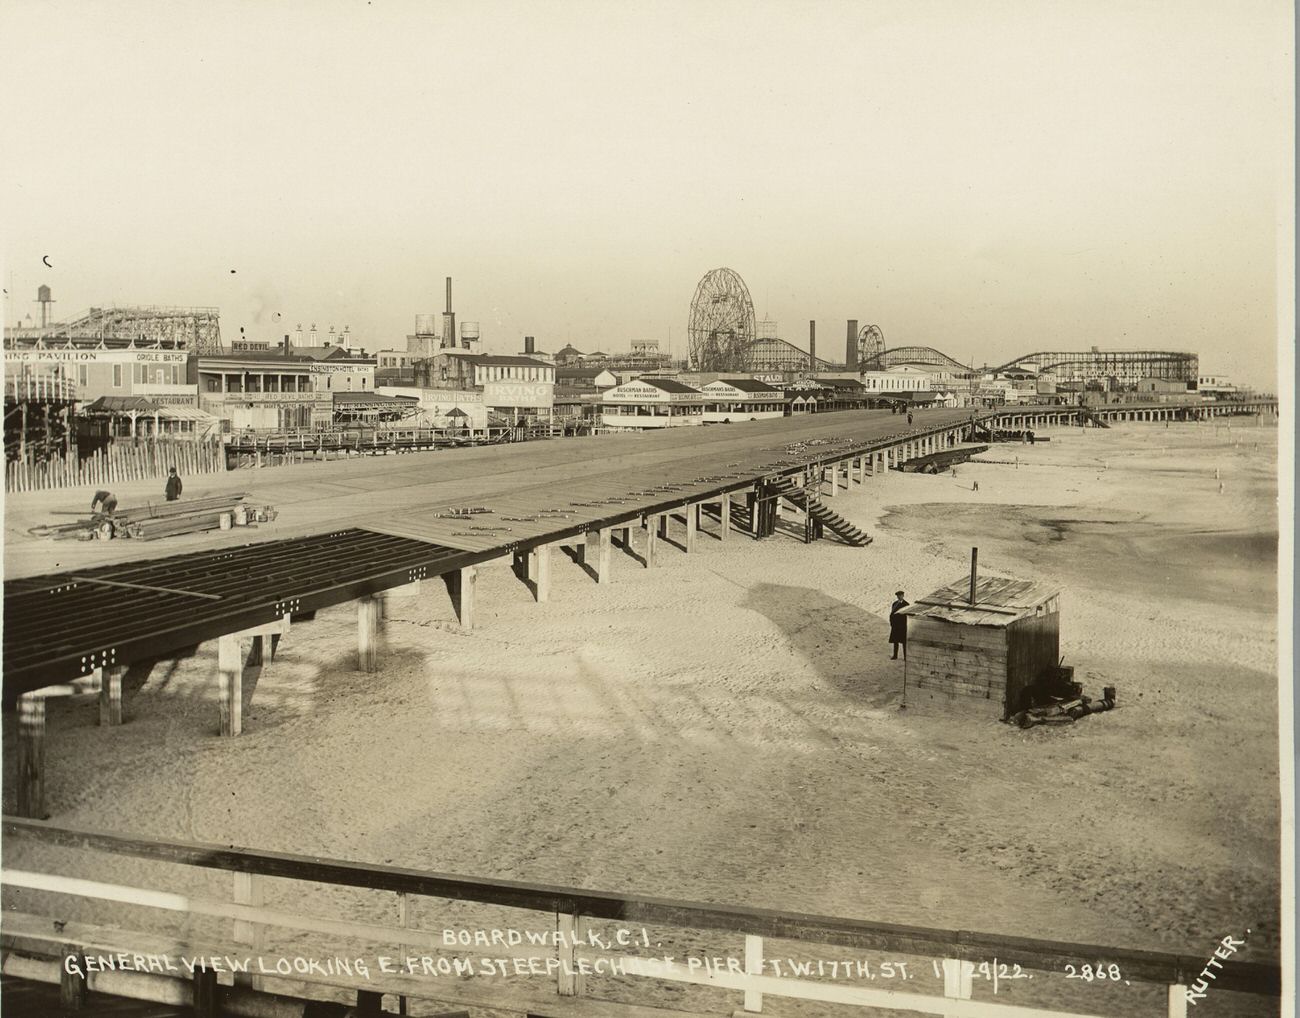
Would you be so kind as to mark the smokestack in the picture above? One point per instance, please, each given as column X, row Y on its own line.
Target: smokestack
column 529, row 344
column 974, row 572
column 812, row 345
column 449, row 321
column 851, row 346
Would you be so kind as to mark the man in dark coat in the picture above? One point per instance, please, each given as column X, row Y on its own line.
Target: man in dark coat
column 173, row 485
column 898, row 625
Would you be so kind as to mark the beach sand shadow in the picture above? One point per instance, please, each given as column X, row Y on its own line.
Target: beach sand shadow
column 847, row 646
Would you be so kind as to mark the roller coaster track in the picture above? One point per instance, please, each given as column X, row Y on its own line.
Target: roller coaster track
column 1157, row 363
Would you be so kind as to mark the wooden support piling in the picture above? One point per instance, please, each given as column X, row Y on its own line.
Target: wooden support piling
column 462, row 585
column 604, row 554
column 541, row 571
column 72, row 979
column 692, row 524
column 256, row 650
column 958, row 978
column 204, row 1000
column 569, row 980
column 651, row 541
column 249, row 889
column 724, row 515
column 110, row 695
column 230, row 684
column 368, row 633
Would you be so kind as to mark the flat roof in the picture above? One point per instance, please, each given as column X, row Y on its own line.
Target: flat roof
column 748, row 385
column 375, row 398
column 668, row 385
column 501, row 359
column 998, row 602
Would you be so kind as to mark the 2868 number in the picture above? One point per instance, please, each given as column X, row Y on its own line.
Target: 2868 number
column 1101, row 972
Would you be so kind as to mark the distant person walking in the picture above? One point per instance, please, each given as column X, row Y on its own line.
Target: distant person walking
column 898, row 625
column 174, row 485
column 909, row 417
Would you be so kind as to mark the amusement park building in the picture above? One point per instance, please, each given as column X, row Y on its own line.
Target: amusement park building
column 741, row 399
column 651, row 403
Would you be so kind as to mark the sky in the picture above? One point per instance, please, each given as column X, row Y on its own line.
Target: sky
column 987, row 178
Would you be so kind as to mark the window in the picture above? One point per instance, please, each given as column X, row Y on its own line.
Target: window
column 83, row 375
column 160, row 376
column 117, row 376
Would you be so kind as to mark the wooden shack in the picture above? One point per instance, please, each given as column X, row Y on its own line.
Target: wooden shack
column 989, row 648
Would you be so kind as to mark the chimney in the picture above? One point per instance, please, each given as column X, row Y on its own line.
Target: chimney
column 287, row 346
column 974, row 572
column 812, row 345
column 449, row 321
column 529, row 344
column 851, row 346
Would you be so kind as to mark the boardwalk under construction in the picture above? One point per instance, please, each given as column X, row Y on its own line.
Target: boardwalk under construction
column 352, row 530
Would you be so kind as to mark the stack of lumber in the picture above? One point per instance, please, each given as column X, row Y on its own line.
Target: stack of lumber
column 148, row 522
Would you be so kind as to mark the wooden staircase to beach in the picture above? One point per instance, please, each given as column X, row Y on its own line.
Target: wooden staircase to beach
column 817, row 510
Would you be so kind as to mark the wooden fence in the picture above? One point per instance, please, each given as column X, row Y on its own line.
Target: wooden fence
column 971, row 975
column 118, row 462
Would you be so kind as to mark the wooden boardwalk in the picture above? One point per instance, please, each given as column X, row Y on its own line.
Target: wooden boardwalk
column 389, row 491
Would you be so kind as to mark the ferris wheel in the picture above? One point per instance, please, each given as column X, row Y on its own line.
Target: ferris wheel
column 871, row 345
column 721, row 328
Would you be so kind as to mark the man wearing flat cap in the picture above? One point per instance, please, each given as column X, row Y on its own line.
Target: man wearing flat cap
column 898, row 625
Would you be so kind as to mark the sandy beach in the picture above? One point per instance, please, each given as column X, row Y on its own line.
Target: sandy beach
column 727, row 727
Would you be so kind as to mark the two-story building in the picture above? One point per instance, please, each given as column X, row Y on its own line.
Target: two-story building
column 511, row 389
column 268, row 391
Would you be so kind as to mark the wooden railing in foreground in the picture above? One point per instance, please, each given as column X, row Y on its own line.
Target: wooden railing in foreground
column 956, row 956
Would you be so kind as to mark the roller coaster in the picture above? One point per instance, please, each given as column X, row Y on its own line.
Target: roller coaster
column 197, row 329
column 1123, row 365
column 1068, row 366
column 926, row 356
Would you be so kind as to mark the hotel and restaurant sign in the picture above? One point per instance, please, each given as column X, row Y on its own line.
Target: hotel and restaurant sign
column 640, row 392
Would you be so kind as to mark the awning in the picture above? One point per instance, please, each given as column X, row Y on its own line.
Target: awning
column 121, row 405
column 372, row 400
column 172, row 412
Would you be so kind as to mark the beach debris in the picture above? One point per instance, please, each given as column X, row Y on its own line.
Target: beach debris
column 155, row 520
column 1063, row 711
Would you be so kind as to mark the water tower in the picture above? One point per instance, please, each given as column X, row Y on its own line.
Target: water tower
column 45, row 300
column 469, row 335
column 425, row 340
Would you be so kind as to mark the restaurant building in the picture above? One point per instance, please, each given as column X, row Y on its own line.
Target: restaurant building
column 741, row 399
column 266, row 391
column 646, row 403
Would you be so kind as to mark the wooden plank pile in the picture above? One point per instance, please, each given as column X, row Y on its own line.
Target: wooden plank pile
column 154, row 520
